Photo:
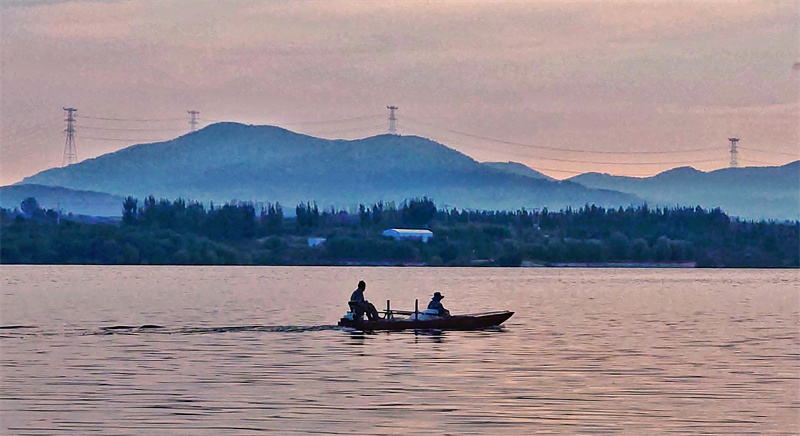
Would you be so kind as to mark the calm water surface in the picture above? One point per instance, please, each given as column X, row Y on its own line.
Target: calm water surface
column 253, row 350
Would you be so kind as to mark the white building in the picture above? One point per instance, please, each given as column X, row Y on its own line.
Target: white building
column 314, row 242
column 399, row 234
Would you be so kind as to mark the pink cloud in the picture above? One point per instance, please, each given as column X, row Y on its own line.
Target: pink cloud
column 604, row 75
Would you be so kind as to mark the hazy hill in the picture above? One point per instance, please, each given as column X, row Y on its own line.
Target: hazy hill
column 517, row 168
column 228, row 161
column 750, row 193
column 67, row 200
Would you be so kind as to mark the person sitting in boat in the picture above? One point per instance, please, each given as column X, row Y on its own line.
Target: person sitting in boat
column 436, row 304
column 359, row 305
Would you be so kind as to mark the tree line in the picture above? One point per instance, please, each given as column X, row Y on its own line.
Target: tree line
column 162, row 231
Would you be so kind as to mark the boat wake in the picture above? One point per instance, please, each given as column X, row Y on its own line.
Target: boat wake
column 21, row 331
column 157, row 329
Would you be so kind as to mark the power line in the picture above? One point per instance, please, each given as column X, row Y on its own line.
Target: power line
column 26, row 131
column 40, row 137
column 167, row 129
column 341, row 120
column 39, row 130
column 541, row 169
column 359, row 129
column 543, row 147
column 301, row 123
column 125, row 139
column 615, row 163
column 761, row 162
column 130, row 119
column 553, row 170
column 529, row 156
column 600, row 162
column 770, row 152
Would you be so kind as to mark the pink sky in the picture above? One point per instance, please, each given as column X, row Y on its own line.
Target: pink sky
column 564, row 88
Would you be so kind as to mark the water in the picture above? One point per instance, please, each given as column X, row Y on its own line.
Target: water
column 254, row 350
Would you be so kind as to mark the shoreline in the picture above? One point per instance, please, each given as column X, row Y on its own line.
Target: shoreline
column 623, row 265
column 526, row 264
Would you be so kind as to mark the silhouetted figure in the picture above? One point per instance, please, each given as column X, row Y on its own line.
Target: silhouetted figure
column 359, row 305
column 436, row 304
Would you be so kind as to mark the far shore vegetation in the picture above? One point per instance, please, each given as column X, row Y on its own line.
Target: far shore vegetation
column 179, row 232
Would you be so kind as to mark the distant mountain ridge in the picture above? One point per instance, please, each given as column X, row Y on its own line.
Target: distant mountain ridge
column 519, row 169
column 231, row 161
column 750, row 192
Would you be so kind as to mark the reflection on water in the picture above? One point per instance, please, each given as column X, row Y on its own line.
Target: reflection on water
column 435, row 336
column 200, row 350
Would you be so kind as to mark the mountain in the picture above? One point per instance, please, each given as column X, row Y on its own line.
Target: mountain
column 517, row 168
column 754, row 193
column 67, row 200
column 228, row 161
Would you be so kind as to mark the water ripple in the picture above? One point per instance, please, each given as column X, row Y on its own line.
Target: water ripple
column 242, row 351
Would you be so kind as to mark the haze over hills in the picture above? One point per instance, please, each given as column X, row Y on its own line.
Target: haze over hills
column 519, row 169
column 57, row 198
column 751, row 193
column 228, row 161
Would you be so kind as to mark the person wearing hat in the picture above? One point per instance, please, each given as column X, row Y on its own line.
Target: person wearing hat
column 436, row 304
column 359, row 305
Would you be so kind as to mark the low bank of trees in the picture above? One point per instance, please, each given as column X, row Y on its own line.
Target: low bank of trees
column 180, row 232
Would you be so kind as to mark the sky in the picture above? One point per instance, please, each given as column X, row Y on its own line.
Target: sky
column 622, row 87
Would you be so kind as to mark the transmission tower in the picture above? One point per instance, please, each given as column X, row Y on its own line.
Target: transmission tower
column 392, row 120
column 70, row 152
column 193, row 120
column 734, row 153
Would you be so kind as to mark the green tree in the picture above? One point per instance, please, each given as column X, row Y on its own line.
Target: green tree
column 29, row 206
column 274, row 218
column 640, row 250
column 307, row 217
column 510, row 255
column 618, row 245
column 130, row 209
column 418, row 212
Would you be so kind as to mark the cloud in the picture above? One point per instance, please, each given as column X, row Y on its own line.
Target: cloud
column 608, row 74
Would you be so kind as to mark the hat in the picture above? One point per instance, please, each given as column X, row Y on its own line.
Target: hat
column 437, row 296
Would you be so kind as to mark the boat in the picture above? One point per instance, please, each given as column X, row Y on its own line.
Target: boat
column 396, row 320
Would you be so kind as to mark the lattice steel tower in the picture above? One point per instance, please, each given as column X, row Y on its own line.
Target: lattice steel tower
column 734, row 153
column 392, row 119
column 193, row 120
column 70, row 152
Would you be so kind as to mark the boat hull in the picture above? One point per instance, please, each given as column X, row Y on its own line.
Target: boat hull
column 457, row 322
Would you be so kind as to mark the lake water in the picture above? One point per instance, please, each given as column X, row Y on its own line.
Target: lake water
column 254, row 350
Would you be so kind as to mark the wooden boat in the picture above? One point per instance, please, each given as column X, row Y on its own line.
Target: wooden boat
column 456, row 322
column 417, row 320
